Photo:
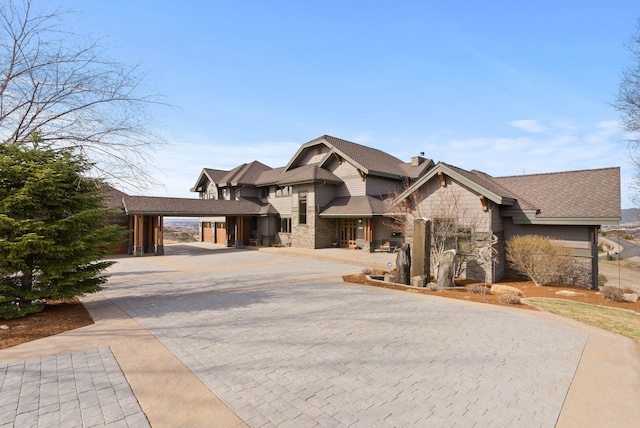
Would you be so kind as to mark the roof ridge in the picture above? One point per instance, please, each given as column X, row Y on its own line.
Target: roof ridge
column 558, row 172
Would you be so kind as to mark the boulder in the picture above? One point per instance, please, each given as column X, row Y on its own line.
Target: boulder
column 419, row 281
column 446, row 269
column 388, row 277
column 403, row 265
column 569, row 293
column 630, row 297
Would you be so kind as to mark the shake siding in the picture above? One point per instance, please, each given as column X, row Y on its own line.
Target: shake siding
column 436, row 202
column 311, row 156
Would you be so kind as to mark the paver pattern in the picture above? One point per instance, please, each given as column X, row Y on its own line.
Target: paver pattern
column 80, row 389
column 284, row 343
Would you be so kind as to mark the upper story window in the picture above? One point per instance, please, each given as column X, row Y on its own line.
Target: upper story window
column 264, row 192
column 283, row 191
column 223, row 193
column 302, row 208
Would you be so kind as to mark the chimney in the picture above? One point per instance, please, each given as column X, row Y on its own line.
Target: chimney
column 417, row 160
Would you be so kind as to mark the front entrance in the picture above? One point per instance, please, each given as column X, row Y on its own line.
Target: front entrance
column 347, row 232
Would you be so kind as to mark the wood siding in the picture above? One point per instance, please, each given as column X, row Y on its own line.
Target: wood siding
column 377, row 186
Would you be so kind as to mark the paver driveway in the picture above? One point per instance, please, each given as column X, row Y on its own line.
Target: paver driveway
column 283, row 342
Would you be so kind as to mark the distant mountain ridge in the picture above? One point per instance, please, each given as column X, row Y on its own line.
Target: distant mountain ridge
column 630, row 215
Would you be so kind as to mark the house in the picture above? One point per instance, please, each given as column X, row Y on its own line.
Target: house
column 336, row 193
column 567, row 207
column 331, row 193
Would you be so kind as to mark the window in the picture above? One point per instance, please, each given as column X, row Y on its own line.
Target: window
column 302, row 208
column 285, row 225
column 223, row 193
column 449, row 235
column 283, row 191
column 264, row 192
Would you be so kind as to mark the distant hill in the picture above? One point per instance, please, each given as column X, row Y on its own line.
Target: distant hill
column 630, row 215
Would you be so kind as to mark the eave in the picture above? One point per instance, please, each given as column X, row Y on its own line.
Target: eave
column 492, row 196
column 530, row 217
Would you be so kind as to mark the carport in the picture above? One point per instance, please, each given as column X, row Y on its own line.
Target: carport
column 146, row 218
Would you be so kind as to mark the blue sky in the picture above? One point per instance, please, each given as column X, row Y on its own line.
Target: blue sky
column 501, row 86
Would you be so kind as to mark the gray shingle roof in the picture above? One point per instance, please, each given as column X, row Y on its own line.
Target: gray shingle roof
column 593, row 193
column 152, row 205
column 307, row 174
column 353, row 206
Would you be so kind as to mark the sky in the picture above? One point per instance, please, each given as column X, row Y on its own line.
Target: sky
column 503, row 87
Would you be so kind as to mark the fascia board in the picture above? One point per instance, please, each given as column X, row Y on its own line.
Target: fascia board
column 301, row 149
column 203, row 173
column 345, row 157
column 529, row 217
column 458, row 177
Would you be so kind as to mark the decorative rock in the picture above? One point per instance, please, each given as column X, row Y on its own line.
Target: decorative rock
column 4, row 327
column 505, row 289
column 630, row 297
column 569, row 293
column 403, row 265
column 446, row 269
column 389, row 278
column 419, row 281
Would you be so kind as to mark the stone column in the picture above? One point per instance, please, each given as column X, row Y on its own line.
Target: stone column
column 403, row 265
column 421, row 252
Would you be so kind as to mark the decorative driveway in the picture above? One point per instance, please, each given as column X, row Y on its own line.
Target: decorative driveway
column 283, row 342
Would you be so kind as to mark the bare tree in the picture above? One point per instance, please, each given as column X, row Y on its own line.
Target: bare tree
column 57, row 84
column 453, row 224
column 628, row 104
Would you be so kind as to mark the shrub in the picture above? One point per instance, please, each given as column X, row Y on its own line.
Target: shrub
column 627, row 236
column 614, row 294
column 366, row 271
column 509, row 299
column 378, row 271
column 479, row 289
column 602, row 280
column 433, row 286
column 539, row 259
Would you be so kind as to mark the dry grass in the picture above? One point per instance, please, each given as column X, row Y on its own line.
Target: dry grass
column 618, row 321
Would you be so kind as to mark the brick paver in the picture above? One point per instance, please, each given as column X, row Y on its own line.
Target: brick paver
column 283, row 343
column 79, row 389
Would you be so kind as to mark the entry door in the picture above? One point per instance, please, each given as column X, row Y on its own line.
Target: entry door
column 347, row 232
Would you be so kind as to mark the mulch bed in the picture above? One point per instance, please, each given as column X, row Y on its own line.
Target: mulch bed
column 57, row 317
column 528, row 288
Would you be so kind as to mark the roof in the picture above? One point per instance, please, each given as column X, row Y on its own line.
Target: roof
column 367, row 159
column 213, row 175
column 186, row 207
column 356, row 206
column 247, row 174
column 571, row 197
column 593, row 193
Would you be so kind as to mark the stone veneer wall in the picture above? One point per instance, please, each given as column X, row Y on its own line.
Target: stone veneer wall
column 325, row 230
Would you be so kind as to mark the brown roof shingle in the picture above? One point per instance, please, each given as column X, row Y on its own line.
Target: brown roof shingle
column 352, row 206
column 593, row 193
column 185, row 207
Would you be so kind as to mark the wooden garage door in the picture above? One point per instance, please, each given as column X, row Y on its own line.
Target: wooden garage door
column 207, row 232
column 221, row 233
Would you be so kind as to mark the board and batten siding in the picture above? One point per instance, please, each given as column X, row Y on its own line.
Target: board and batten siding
column 377, row 186
column 578, row 238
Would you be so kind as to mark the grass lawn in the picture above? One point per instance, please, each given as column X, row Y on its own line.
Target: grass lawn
column 616, row 320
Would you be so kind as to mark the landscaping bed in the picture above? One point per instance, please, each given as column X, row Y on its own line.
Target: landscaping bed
column 528, row 289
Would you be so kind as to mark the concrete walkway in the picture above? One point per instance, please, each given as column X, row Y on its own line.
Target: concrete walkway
column 219, row 337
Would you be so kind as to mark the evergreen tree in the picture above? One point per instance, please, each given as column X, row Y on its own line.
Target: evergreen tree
column 53, row 228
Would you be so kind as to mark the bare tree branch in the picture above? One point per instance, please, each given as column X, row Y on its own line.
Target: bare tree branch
column 67, row 89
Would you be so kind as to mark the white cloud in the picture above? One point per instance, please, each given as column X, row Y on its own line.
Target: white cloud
column 529, row 125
